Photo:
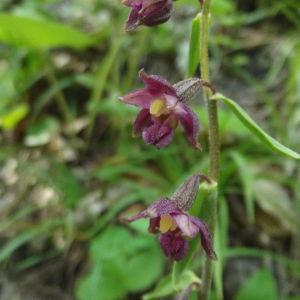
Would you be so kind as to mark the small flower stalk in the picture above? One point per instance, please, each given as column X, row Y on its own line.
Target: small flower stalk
column 147, row 12
column 169, row 218
column 163, row 107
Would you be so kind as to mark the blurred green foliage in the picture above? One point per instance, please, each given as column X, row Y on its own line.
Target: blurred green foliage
column 70, row 169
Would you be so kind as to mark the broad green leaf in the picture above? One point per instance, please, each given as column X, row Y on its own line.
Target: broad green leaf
column 165, row 286
column 194, row 52
column 103, row 282
column 260, row 286
column 38, row 33
column 122, row 263
column 256, row 129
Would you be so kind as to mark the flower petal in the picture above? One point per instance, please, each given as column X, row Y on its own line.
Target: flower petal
column 155, row 12
column 142, row 120
column 160, row 207
column 174, row 245
column 141, row 98
column 133, row 20
column 157, row 85
column 159, row 135
column 140, row 215
column 206, row 239
column 132, row 3
column 186, row 224
column 190, row 123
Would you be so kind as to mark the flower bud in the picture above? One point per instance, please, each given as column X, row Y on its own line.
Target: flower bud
column 148, row 12
column 188, row 89
column 185, row 195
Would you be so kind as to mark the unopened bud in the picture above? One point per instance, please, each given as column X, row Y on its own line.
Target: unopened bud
column 185, row 195
column 188, row 89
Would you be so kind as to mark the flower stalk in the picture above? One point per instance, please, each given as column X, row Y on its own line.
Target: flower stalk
column 213, row 133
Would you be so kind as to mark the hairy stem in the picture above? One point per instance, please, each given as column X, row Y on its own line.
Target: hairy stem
column 213, row 132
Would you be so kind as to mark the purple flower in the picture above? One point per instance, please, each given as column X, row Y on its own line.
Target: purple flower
column 161, row 111
column 147, row 12
column 174, row 224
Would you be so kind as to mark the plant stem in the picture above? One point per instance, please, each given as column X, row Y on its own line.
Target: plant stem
column 100, row 81
column 60, row 97
column 213, row 133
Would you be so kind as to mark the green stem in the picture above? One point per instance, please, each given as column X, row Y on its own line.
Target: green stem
column 213, row 133
column 100, row 81
column 60, row 97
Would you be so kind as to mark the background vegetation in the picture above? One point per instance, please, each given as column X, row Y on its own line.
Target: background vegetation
column 70, row 169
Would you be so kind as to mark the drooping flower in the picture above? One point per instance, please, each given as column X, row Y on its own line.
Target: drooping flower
column 161, row 111
column 147, row 12
column 169, row 217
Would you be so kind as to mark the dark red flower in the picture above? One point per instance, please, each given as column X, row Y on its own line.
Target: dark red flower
column 147, row 12
column 161, row 111
column 175, row 224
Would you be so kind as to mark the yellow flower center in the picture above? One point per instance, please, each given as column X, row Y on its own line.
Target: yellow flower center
column 158, row 107
column 167, row 223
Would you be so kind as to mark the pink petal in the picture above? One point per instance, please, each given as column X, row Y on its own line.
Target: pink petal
column 160, row 207
column 142, row 120
column 140, row 215
column 190, row 123
column 141, row 98
column 157, row 84
column 132, row 3
column 186, row 225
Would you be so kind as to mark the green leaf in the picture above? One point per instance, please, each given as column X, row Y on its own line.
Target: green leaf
column 256, row 129
column 246, row 176
column 291, row 264
column 26, row 236
column 165, row 286
column 122, row 263
column 10, row 119
column 260, row 286
column 40, row 133
column 194, row 52
column 39, row 33
column 66, row 184
column 274, row 200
